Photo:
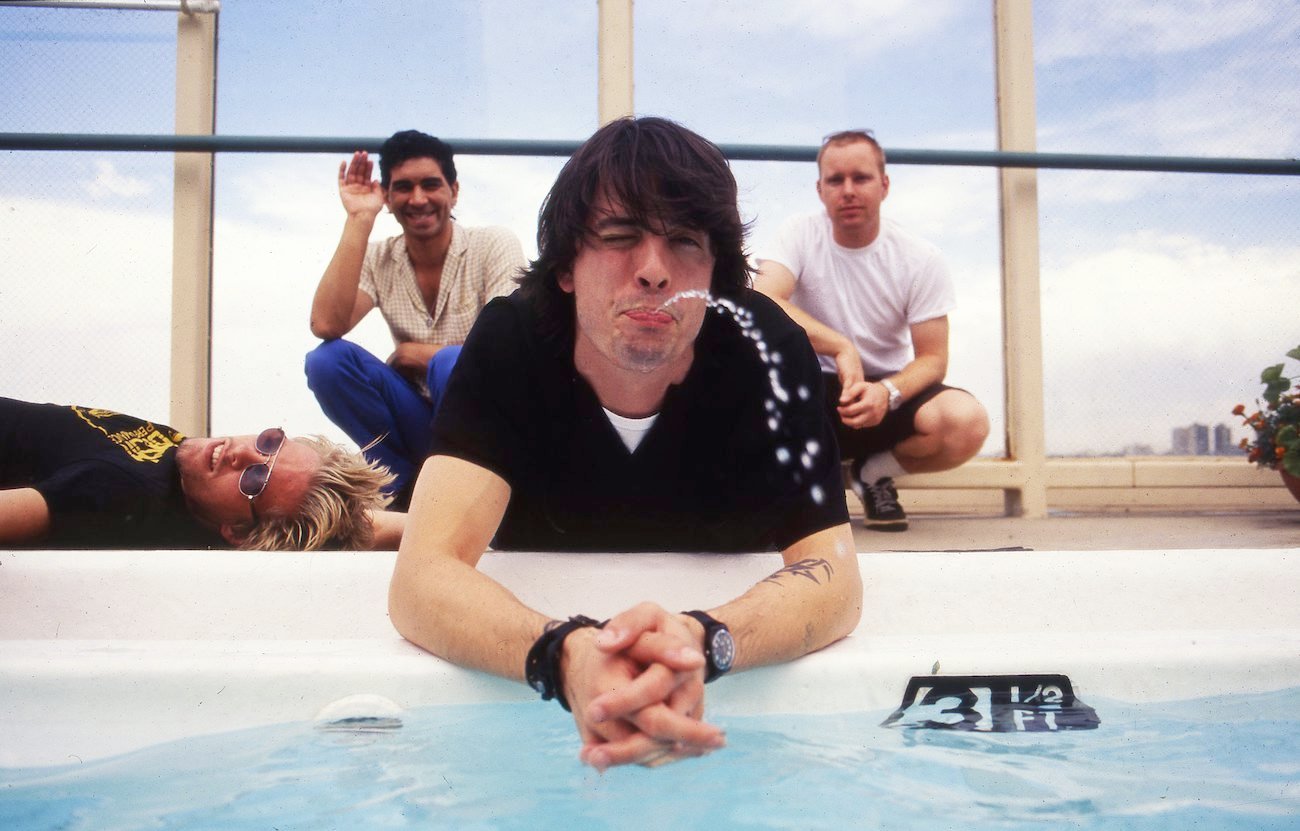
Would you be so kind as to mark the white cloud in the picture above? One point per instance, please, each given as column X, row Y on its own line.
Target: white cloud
column 109, row 182
column 85, row 305
column 1159, row 292
column 1226, row 112
column 954, row 201
column 291, row 191
column 1159, row 331
column 1198, row 78
column 858, row 27
column 1090, row 28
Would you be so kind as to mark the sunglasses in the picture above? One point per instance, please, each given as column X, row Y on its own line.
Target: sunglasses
column 253, row 480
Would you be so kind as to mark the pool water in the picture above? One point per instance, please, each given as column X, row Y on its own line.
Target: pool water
column 1228, row 762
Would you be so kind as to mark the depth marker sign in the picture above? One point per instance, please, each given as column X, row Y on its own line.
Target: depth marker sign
column 993, row 704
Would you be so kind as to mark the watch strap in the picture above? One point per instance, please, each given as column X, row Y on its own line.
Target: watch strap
column 719, row 647
column 895, row 397
column 542, row 666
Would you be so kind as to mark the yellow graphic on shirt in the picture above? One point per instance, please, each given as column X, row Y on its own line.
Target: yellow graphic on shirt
column 143, row 443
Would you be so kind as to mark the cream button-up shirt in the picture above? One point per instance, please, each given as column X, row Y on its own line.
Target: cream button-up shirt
column 482, row 263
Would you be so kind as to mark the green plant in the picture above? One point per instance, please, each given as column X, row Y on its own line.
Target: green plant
column 1276, row 423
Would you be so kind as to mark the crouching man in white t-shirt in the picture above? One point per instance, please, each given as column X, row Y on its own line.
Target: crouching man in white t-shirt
column 874, row 300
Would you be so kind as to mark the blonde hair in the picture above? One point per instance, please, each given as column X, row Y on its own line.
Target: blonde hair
column 336, row 511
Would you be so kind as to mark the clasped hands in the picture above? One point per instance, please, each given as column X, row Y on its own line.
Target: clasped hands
column 636, row 688
column 862, row 403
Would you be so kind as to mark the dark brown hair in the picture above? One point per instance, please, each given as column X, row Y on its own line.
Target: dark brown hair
column 412, row 144
column 660, row 173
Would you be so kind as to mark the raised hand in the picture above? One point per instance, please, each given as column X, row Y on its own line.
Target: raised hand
column 360, row 193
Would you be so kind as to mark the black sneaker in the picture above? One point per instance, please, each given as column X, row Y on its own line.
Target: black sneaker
column 880, row 508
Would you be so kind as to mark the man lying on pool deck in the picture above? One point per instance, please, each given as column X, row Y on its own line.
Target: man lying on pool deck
column 586, row 412
column 80, row 477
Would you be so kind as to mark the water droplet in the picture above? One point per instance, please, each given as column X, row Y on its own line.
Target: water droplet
column 744, row 320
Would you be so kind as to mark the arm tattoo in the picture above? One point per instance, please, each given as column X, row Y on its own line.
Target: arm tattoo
column 804, row 568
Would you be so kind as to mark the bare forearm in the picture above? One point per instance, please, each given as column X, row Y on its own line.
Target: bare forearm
column 24, row 515
column 919, row 374
column 438, row 598
column 388, row 527
column 813, row 601
column 457, row 613
column 335, row 300
column 930, row 366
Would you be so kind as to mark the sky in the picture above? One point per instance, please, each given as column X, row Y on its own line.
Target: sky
column 1163, row 295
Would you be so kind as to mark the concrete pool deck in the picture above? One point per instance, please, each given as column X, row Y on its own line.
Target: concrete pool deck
column 1087, row 532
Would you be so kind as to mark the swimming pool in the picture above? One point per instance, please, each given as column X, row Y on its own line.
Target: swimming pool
column 1226, row 762
column 102, row 653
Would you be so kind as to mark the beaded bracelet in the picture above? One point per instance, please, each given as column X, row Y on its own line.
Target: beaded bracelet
column 542, row 667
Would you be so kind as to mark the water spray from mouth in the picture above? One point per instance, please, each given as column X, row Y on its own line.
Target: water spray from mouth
column 786, row 454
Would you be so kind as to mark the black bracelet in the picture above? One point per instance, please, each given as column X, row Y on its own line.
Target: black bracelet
column 542, row 667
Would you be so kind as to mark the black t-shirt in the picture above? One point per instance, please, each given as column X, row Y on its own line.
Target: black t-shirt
column 110, row 480
column 730, row 464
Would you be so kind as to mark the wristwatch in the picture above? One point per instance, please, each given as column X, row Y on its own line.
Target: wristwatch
column 719, row 647
column 895, row 397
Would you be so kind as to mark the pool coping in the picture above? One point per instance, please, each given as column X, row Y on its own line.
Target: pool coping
column 232, row 640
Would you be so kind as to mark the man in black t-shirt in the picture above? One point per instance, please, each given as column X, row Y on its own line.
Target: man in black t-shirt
column 84, row 477
column 602, row 407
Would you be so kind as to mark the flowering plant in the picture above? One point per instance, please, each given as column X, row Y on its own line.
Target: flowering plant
column 1277, row 423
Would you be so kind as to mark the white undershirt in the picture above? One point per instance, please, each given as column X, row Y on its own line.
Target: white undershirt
column 631, row 430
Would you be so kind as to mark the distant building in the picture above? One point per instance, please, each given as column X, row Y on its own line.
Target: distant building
column 1200, row 439
column 1223, row 443
column 1138, row 450
column 1192, row 440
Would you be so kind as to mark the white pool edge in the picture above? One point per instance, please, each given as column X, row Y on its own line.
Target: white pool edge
column 105, row 652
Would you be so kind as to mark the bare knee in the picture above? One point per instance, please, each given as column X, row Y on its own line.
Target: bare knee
column 951, row 428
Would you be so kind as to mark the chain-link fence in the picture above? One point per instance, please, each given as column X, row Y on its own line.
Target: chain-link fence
column 1163, row 294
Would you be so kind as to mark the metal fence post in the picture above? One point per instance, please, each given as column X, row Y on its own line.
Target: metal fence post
column 191, row 350
column 1018, row 209
column 614, row 80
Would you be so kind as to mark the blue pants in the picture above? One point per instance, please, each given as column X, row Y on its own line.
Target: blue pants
column 367, row 399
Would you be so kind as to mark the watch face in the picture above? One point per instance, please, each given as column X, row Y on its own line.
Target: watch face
column 724, row 650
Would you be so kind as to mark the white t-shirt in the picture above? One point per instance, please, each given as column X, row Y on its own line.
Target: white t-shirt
column 630, row 430
column 872, row 294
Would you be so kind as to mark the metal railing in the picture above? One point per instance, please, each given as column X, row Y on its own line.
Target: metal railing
column 131, row 142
